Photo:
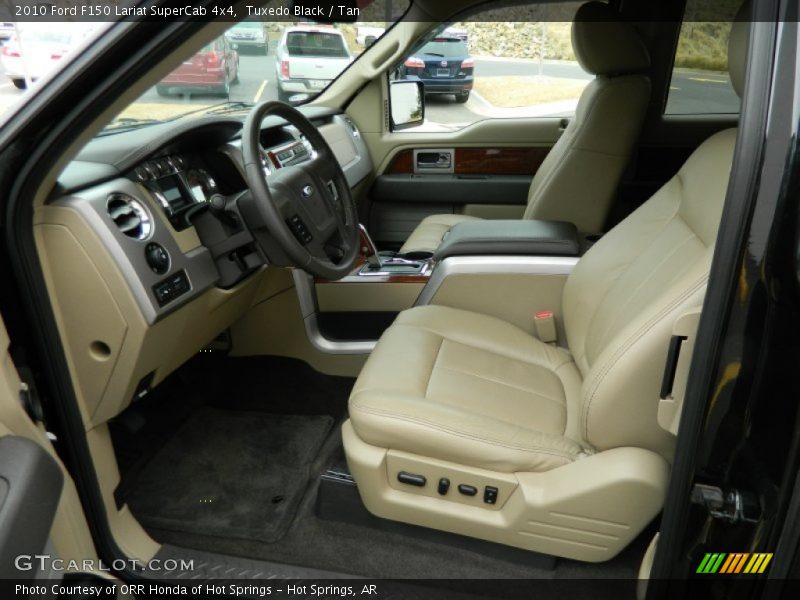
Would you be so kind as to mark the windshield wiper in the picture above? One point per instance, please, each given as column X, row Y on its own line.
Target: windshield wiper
column 433, row 54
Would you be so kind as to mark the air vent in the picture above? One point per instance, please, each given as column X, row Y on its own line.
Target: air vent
column 129, row 215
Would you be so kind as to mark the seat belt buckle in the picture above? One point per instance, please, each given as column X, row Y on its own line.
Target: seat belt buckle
column 545, row 324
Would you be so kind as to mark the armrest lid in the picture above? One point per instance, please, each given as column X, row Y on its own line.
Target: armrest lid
column 523, row 237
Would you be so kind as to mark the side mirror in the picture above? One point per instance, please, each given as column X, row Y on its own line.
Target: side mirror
column 407, row 101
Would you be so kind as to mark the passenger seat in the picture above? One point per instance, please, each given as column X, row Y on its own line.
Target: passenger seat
column 579, row 177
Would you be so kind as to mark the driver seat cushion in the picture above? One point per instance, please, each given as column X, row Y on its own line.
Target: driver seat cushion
column 471, row 389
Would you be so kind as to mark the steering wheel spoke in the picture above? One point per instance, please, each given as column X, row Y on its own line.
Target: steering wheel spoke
column 306, row 208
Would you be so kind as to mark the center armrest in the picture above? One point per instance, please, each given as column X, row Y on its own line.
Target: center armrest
column 524, row 237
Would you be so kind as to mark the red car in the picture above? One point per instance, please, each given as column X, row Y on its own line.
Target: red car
column 214, row 69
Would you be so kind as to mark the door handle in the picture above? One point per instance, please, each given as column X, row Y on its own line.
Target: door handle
column 440, row 161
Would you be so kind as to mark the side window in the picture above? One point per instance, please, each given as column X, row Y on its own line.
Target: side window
column 500, row 63
column 700, row 83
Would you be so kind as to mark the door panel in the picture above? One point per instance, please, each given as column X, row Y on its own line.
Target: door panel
column 30, row 489
column 38, row 500
column 490, row 182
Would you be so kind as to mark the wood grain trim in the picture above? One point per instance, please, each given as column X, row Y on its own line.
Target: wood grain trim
column 402, row 163
column 480, row 161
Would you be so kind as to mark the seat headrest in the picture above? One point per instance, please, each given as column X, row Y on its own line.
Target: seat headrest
column 737, row 46
column 604, row 45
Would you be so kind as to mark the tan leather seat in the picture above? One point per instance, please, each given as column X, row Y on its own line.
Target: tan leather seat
column 579, row 177
column 568, row 438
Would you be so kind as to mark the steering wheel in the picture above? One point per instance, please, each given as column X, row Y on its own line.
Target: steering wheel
column 307, row 208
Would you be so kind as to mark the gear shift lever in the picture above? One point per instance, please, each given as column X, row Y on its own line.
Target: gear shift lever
column 368, row 249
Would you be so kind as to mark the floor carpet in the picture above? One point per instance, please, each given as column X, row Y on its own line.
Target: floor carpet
column 233, row 474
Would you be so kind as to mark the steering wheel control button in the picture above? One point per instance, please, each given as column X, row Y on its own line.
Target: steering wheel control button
column 411, row 479
column 157, row 258
column 490, row 494
column 300, row 230
column 467, row 490
column 171, row 288
column 444, row 486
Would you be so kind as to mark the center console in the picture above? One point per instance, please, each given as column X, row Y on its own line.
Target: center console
column 510, row 238
column 509, row 269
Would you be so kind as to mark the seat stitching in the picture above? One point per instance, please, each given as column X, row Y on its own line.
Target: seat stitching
column 534, row 363
column 512, row 386
column 628, row 344
column 462, row 434
column 621, row 272
column 609, row 322
column 433, row 367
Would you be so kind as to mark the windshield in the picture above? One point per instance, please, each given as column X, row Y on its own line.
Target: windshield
column 445, row 47
column 253, row 61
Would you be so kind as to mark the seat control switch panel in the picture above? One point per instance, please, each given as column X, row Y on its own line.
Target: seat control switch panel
column 411, row 479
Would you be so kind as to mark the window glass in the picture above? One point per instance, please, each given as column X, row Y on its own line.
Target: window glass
column 700, row 83
column 515, row 61
column 256, row 59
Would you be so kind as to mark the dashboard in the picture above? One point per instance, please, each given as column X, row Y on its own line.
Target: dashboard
column 149, row 196
column 145, row 263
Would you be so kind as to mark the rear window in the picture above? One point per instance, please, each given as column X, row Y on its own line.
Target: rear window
column 317, row 44
column 445, row 47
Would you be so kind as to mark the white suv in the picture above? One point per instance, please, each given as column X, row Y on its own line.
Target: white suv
column 308, row 58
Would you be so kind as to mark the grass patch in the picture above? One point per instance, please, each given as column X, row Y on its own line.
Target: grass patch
column 703, row 46
column 517, row 91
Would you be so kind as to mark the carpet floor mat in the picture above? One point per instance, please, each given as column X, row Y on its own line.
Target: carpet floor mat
column 231, row 474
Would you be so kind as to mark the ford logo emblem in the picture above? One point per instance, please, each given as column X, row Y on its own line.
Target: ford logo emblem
column 308, row 191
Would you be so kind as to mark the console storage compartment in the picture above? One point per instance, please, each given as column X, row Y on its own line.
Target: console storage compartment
column 522, row 237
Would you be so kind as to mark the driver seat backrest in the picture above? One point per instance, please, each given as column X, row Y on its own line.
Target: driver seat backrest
column 578, row 179
column 625, row 294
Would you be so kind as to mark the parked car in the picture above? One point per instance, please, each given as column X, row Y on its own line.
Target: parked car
column 44, row 44
column 308, row 58
column 249, row 34
column 214, row 69
column 444, row 66
column 6, row 30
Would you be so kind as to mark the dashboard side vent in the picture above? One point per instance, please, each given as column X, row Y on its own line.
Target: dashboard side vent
column 129, row 216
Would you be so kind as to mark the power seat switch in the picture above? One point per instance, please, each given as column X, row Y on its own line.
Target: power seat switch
column 467, row 490
column 490, row 494
column 444, row 486
column 411, row 479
